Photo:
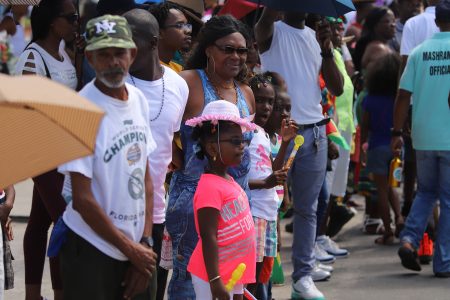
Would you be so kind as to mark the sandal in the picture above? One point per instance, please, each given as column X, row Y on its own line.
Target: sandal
column 385, row 239
column 373, row 226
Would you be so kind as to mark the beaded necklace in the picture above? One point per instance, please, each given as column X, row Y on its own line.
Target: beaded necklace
column 162, row 98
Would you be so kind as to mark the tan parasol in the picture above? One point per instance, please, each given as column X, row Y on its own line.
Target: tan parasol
column 42, row 125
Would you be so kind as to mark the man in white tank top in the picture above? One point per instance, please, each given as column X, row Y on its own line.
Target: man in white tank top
column 291, row 49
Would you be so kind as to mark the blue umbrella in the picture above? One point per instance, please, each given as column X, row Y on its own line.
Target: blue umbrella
column 331, row 8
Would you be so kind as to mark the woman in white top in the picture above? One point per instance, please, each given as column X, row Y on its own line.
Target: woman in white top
column 52, row 22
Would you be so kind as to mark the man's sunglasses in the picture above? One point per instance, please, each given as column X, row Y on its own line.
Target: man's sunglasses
column 230, row 50
column 235, row 141
column 184, row 26
column 71, row 18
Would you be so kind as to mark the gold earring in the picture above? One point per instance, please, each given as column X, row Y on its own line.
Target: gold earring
column 214, row 158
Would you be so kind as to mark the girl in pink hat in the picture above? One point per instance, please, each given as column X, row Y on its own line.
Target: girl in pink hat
column 222, row 213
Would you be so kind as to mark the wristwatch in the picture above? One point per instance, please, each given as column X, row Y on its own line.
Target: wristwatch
column 147, row 240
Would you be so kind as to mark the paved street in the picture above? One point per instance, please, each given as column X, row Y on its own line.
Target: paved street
column 371, row 272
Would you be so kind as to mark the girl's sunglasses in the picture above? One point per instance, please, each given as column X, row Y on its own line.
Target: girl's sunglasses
column 235, row 141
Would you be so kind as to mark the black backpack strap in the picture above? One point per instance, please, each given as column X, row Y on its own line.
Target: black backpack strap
column 47, row 72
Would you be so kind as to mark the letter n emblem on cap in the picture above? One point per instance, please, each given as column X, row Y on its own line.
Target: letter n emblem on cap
column 105, row 25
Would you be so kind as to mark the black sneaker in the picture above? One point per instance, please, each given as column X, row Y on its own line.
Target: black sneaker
column 339, row 216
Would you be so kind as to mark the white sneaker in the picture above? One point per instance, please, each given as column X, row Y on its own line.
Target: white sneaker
column 322, row 255
column 319, row 274
column 305, row 289
column 331, row 247
column 324, row 267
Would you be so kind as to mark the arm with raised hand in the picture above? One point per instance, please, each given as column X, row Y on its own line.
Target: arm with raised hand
column 264, row 29
column 333, row 78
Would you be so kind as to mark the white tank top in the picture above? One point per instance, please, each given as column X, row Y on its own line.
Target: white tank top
column 295, row 54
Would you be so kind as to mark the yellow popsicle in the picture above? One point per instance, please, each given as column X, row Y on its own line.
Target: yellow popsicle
column 235, row 276
column 298, row 142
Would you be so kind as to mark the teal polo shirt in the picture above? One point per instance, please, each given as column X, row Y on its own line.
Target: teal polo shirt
column 427, row 77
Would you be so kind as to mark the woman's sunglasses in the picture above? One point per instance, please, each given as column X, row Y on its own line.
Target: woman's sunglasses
column 71, row 18
column 230, row 50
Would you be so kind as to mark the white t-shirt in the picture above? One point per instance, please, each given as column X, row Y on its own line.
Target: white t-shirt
column 60, row 71
column 265, row 202
column 176, row 93
column 417, row 29
column 295, row 54
column 117, row 168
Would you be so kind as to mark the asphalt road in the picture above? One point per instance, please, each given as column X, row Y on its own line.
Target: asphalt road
column 371, row 272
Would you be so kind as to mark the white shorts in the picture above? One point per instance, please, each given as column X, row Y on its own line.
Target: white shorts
column 203, row 290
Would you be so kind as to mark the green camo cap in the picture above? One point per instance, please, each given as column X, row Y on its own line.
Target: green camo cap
column 108, row 31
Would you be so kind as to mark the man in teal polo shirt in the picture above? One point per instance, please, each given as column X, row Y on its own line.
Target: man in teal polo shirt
column 427, row 78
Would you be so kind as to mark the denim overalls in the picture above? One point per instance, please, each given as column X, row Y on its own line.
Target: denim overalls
column 180, row 211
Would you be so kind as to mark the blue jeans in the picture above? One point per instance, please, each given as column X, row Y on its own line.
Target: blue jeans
column 181, row 226
column 433, row 183
column 307, row 178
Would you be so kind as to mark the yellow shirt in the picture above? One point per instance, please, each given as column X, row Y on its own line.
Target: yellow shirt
column 173, row 65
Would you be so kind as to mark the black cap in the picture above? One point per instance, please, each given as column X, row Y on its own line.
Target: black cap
column 443, row 11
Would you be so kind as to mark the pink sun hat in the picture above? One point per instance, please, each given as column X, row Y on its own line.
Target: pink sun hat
column 222, row 110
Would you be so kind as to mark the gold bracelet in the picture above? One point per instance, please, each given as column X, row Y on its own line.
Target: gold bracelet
column 214, row 279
